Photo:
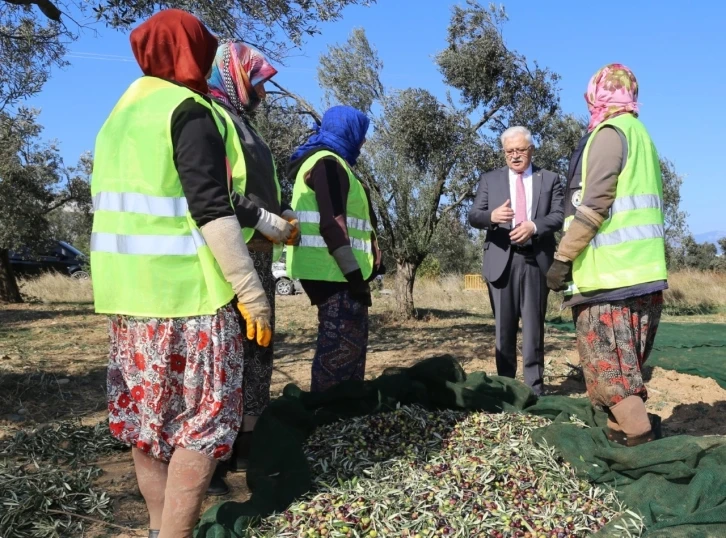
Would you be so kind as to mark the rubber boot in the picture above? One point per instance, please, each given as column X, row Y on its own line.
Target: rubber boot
column 241, row 452
column 631, row 416
column 218, row 487
column 614, row 432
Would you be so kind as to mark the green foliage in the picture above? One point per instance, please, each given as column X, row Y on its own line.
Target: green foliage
column 676, row 229
column 429, row 268
column 701, row 256
column 34, row 181
column 495, row 81
column 34, row 185
column 349, row 73
column 283, row 128
column 30, row 46
column 456, row 246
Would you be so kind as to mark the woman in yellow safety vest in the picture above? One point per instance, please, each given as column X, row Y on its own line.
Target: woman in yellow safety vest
column 168, row 261
column 611, row 261
column 237, row 84
column 337, row 253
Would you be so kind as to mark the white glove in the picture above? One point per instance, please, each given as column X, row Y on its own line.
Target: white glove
column 274, row 228
column 224, row 238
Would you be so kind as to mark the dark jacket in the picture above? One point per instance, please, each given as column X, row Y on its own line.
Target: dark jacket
column 547, row 215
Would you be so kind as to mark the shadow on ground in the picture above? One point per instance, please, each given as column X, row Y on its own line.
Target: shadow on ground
column 697, row 419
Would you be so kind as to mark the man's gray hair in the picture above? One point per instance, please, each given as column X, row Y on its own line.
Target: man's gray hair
column 517, row 130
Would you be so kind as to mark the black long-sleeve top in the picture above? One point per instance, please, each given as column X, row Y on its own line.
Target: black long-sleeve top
column 199, row 156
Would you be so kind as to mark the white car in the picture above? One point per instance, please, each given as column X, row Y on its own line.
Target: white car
column 284, row 285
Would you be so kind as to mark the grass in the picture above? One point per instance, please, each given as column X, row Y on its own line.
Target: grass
column 695, row 293
column 56, row 288
column 689, row 293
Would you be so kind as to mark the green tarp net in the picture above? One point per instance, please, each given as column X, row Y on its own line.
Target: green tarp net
column 677, row 484
column 689, row 348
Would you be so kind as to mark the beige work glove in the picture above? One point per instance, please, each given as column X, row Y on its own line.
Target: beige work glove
column 274, row 228
column 583, row 228
column 290, row 216
column 225, row 240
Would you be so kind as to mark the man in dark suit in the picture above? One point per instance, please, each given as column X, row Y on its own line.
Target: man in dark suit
column 521, row 207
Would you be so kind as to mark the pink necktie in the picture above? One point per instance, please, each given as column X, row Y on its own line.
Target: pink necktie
column 520, row 210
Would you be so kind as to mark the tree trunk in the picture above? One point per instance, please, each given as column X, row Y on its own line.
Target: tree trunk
column 405, row 277
column 9, row 291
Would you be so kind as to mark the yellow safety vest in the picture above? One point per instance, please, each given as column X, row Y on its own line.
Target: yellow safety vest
column 310, row 260
column 629, row 247
column 148, row 258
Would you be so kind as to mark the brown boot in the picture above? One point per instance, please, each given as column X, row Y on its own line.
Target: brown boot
column 616, row 436
column 633, row 420
column 643, row 438
column 613, row 431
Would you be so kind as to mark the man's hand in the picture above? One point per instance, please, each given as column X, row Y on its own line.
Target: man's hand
column 559, row 275
column 503, row 214
column 522, row 232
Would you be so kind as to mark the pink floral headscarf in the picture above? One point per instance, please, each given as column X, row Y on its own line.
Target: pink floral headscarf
column 237, row 69
column 612, row 91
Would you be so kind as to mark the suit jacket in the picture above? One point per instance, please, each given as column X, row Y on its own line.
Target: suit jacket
column 547, row 215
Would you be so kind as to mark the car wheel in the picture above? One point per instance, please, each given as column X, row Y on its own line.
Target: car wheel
column 284, row 286
column 80, row 275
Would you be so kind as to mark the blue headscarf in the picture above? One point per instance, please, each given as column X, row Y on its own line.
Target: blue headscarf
column 342, row 131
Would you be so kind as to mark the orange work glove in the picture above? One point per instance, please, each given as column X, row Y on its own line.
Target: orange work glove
column 257, row 318
column 290, row 216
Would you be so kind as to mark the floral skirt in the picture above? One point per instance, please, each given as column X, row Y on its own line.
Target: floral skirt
column 176, row 383
column 614, row 340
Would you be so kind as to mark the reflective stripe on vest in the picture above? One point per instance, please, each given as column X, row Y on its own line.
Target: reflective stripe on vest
column 148, row 245
column 625, row 235
column 148, row 258
column 314, row 217
column 316, row 241
column 632, row 233
column 629, row 248
column 134, row 202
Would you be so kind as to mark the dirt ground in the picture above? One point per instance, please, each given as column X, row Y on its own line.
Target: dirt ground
column 53, row 360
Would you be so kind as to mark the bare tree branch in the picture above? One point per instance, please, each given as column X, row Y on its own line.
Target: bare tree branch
column 486, row 117
column 302, row 102
column 46, row 7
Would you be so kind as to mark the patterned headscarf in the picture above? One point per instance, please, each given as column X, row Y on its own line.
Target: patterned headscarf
column 342, row 130
column 237, row 69
column 612, row 91
column 175, row 45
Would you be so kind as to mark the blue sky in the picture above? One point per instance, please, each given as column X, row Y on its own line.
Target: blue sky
column 675, row 51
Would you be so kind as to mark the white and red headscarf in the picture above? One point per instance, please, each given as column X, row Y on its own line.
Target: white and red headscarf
column 237, row 69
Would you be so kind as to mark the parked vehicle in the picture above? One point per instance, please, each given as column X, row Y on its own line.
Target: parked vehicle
column 284, row 285
column 57, row 256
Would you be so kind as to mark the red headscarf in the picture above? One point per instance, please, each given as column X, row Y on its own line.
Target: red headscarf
column 175, row 45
